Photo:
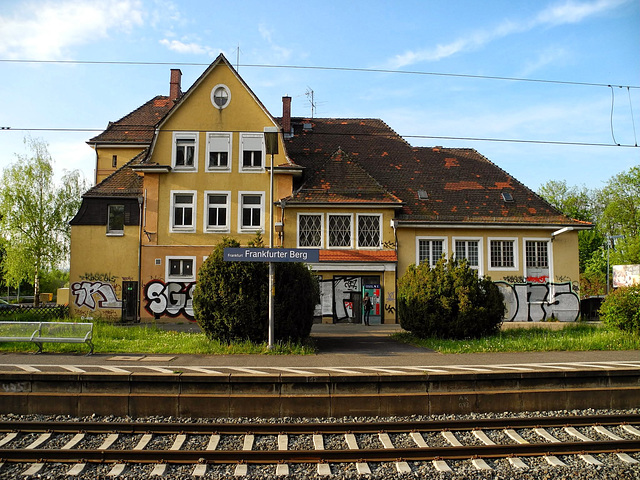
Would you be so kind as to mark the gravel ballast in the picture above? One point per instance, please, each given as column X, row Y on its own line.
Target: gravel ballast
column 612, row 467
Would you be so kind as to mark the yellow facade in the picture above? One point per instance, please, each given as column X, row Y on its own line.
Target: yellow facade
column 110, row 158
column 106, row 262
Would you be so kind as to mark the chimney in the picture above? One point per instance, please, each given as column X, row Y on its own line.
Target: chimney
column 174, row 85
column 286, row 117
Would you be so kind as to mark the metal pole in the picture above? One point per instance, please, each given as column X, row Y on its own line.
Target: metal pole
column 271, row 143
column 272, row 291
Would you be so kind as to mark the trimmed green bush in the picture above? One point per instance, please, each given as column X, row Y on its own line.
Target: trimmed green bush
column 449, row 301
column 231, row 299
column 621, row 309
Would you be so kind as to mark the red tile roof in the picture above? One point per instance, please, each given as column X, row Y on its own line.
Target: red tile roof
column 138, row 126
column 462, row 185
column 342, row 180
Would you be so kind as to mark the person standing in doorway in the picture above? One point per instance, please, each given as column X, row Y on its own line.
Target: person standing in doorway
column 367, row 307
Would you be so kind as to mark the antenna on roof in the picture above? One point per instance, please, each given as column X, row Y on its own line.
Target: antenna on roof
column 238, row 58
column 309, row 94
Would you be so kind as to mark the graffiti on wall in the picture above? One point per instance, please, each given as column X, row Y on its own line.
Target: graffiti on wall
column 539, row 302
column 171, row 299
column 94, row 295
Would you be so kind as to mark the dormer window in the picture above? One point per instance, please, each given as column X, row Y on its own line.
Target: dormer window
column 507, row 197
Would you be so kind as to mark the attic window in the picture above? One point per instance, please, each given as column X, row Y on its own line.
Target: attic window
column 507, row 197
column 220, row 96
column 423, row 195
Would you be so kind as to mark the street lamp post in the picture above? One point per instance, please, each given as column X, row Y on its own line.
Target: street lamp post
column 271, row 148
column 609, row 238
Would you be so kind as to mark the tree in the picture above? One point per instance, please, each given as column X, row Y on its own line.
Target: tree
column 578, row 203
column 35, row 215
column 574, row 202
column 621, row 215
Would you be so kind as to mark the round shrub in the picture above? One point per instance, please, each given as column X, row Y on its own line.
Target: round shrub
column 449, row 301
column 231, row 299
column 621, row 309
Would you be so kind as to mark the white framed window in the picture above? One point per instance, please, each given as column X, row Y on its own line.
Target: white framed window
column 537, row 259
column 503, row 254
column 471, row 249
column 184, row 157
column 251, row 152
column 310, row 230
column 220, row 96
column 251, row 211
column 430, row 249
column 182, row 269
column 219, row 151
column 340, row 228
column 183, row 211
column 369, row 230
column 216, row 211
column 115, row 220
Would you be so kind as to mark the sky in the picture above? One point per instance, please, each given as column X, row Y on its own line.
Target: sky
column 545, row 89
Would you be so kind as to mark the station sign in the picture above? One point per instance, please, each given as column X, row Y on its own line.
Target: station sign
column 305, row 255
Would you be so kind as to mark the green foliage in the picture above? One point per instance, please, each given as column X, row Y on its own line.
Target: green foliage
column 35, row 215
column 448, row 301
column 621, row 309
column 572, row 201
column 297, row 294
column 231, row 299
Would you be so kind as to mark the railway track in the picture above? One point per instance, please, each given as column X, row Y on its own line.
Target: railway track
column 113, row 448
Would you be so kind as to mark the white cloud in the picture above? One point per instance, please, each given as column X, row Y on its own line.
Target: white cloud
column 281, row 53
column 48, row 30
column 186, row 48
column 569, row 11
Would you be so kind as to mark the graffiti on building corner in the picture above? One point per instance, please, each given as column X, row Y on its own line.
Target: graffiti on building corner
column 539, row 302
column 171, row 299
column 86, row 293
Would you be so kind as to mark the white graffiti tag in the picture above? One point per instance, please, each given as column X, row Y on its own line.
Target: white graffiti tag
column 171, row 299
column 86, row 293
column 534, row 302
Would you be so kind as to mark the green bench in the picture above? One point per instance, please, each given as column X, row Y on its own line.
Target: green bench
column 47, row 332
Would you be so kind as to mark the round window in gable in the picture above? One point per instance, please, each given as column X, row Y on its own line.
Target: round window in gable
column 220, row 96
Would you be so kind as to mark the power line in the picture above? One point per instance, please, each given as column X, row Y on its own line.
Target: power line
column 430, row 137
column 325, row 68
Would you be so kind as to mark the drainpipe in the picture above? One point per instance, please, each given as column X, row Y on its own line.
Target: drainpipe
column 394, row 225
column 140, row 204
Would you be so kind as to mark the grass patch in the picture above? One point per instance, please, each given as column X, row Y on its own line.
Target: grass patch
column 573, row 337
column 149, row 339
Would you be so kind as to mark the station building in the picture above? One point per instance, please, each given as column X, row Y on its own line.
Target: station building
column 179, row 173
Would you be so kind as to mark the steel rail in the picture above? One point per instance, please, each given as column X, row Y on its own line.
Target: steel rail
column 316, row 427
column 314, row 456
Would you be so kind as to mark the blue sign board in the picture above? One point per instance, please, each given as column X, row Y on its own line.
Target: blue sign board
column 305, row 255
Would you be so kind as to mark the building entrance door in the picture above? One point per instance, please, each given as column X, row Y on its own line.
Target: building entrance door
column 130, row 302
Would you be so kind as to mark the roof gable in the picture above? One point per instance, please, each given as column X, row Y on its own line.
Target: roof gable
column 342, row 180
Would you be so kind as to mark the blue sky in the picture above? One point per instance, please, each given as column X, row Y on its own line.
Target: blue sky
column 453, row 45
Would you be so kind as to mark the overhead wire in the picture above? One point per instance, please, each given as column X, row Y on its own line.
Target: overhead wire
column 344, row 133
column 355, row 69
column 319, row 67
